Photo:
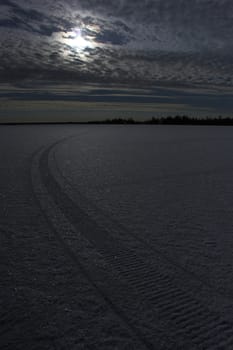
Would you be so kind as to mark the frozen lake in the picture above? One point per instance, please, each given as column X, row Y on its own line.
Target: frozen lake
column 117, row 237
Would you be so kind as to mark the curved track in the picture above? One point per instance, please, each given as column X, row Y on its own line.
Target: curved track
column 141, row 288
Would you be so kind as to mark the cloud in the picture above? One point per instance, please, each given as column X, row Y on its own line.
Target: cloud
column 146, row 43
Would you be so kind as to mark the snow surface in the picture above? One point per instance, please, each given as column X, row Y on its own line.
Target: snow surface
column 116, row 237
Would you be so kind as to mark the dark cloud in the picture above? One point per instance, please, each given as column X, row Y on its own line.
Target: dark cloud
column 150, row 43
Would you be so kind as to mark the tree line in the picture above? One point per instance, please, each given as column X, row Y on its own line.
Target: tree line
column 177, row 120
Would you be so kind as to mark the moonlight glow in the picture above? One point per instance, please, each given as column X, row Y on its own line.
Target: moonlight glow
column 76, row 40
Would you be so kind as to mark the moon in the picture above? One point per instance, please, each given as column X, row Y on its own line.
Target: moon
column 77, row 40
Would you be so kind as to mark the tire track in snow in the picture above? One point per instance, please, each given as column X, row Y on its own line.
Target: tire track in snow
column 41, row 184
column 189, row 320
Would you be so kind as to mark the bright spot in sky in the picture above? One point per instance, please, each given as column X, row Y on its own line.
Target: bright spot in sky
column 77, row 40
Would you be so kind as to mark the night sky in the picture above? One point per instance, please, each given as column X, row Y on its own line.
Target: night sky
column 93, row 59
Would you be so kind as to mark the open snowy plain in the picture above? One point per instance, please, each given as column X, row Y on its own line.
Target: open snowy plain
column 116, row 237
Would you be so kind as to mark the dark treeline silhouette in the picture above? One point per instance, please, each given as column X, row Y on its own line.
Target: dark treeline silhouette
column 177, row 120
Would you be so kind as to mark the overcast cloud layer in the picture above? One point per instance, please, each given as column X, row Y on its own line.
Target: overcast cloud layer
column 174, row 51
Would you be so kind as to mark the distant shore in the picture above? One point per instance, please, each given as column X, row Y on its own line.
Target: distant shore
column 177, row 120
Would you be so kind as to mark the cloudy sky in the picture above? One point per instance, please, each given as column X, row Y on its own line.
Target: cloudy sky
column 93, row 59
